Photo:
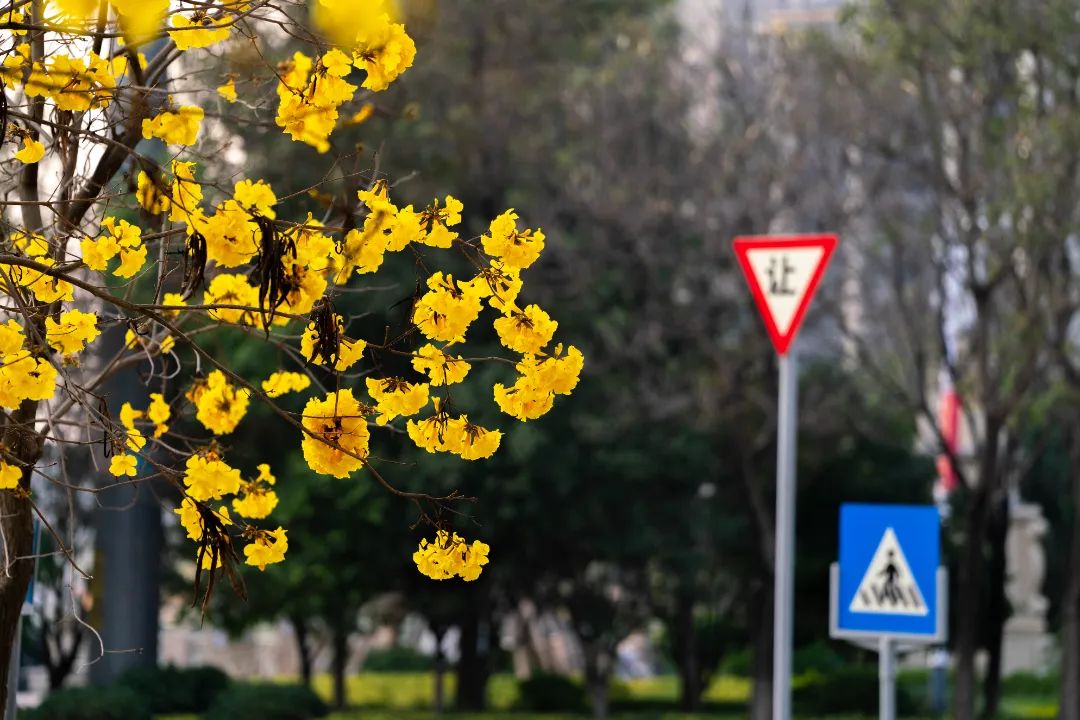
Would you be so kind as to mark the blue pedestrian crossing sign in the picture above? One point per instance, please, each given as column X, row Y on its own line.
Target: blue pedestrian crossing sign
column 889, row 581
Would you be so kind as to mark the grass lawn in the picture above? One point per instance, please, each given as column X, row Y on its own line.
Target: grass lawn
column 416, row 691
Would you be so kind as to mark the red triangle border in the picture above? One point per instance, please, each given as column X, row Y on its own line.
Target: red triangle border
column 746, row 243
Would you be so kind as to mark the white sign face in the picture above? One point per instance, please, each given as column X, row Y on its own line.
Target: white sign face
column 889, row 585
column 784, row 276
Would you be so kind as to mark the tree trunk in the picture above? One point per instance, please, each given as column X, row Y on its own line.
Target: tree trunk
column 597, row 678
column 997, row 608
column 301, row 633
column 1070, row 610
column 598, row 700
column 16, row 527
column 761, row 627
column 340, row 660
column 969, row 600
column 686, row 654
column 472, row 669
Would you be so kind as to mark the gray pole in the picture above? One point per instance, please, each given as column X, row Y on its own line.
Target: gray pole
column 784, row 569
column 887, row 678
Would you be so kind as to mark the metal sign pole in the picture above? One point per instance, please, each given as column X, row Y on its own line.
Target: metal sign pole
column 887, row 678
column 784, row 569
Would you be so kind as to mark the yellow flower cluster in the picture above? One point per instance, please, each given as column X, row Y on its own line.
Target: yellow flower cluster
column 447, row 309
column 282, row 382
column 526, row 331
column 396, row 398
column 257, row 500
column 32, row 151
column 74, row 331
column 451, row 556
column 349, row 352
column 22, row 376
column 517, row 249
column 74, row 84
column 124, row 464
column 45, row 287
column 441, row 369
column 458, row 436
column 336, row 434
column 175, row 128
column 219, row 405
column 207, row 477
column 533, row 394
column 379, row 46
column 232, row 290
column 310, row 93
column 10, row 475
column 119, row 237
column 198, row 30
column 267, row 548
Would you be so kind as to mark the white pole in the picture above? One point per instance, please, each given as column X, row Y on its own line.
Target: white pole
column 887, row 678
column 784, row 571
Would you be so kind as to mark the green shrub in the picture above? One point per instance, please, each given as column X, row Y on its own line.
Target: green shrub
column 92, row 703
column 849, row 690
column 817, row 656
column 173, row 690
column 1030, row 684
column 267, row 702
column 397, row 659
column 738, row 663
column 547, row 692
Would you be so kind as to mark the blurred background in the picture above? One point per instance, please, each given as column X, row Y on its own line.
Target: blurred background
column 632, row 530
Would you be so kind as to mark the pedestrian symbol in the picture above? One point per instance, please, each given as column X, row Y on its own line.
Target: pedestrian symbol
column 889, row 585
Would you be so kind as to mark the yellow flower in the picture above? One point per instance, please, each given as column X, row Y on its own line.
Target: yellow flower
column 123, row 465
column 11, row 337
column 208, row 478
column 257, row 196
column 219, row 405
column 229, row 289
column 451, row 556
column 394, row 397
column 159, row 413
column 540, row 381
column 266, row 549
column 526, row 331
column 10, row 475
column 517, row 249
column 445, row 312
column 310, row 96
column 176, row 128
column 349, row 351
column 197, row 31
column 385, row 58
column 435, row 220
column 150, row 196
column 336, row 441
column 258, row 501
column 282, row 382
column 74, row 331
column 228, row 91
column 190, row 519
column 32, row 151
column 442, row 369
column 140, row 19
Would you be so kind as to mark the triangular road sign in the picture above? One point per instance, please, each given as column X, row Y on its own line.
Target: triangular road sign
column 783, row 273
column 888, row 587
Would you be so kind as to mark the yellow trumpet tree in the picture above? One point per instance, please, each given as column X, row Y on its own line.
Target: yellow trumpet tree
column 100, row 233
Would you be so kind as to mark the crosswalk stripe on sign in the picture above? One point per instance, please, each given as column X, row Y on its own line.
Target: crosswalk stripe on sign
column 888, row 586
